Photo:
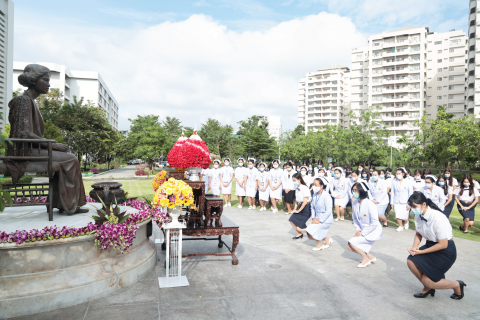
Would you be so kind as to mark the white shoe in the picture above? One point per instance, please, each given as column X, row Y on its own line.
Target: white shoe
column 336, row 220
column 399, row 229
column 330, row 243
column 240, row 206
column 364, row 265
column 262, row 209
column 276, row 210
column 374, row 260
column 342, row 219
column 407, row 225
column 318, row 249
column 250, row 208
column 287, row 213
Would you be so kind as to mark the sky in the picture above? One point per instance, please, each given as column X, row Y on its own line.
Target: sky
column 222, row 59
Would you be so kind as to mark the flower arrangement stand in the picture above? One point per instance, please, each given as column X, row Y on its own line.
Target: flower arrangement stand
column 211, row 202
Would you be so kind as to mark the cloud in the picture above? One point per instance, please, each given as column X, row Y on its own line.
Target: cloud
column 138, row 15
column 201, row 3
column 197, row 68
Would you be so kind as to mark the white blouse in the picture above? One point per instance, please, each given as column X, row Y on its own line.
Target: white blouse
column 466, row 197
column 308, row 180
column 302, row 192
column 378, row 191
column 418, row 185
column 437, row 227
column 287, row 180
column 437, row 195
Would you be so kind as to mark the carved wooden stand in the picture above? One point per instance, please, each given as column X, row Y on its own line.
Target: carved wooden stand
column 177, row 175
column 209, row 216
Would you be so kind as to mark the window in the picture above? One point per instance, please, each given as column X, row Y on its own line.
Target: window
column 451, row 59
column 439, row 70
column 360, row 103
column 450, row 106
column 451, row 87
column 361, row 63
column 309, row 78
column 439, row 97
column 361, row 87
column 361, row 94
column 439, row 79
column 439, row 60
column 303, row 84
column 455, row 41
column 376, row 44
column 451, row 69
column 439, row 51
column 451, row 78
column 450, row 97
column 452, row 50
column 438, row 42
column 439, row 88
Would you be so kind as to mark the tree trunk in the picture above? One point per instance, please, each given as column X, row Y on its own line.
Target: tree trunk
column 150, row 164
column 218, row 151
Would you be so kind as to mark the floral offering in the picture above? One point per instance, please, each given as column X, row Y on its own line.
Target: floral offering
column 159, row 179
column 175, row 155
column 173, row 193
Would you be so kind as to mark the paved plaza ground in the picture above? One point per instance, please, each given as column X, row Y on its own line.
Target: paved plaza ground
column 308, row 285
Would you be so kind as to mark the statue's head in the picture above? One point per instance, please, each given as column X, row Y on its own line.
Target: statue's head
column 35, row 77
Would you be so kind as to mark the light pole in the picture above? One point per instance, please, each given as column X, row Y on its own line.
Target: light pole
column 391, row 149
column 249, row 145
column 93, row 153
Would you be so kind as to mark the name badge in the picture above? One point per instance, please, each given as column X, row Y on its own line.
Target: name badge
column 435, row 196
column 275, row 181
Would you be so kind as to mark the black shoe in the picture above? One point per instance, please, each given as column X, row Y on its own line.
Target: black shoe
column 424, row 295
column 385, row 226
column 299, row 237
column 456, row 296
column 460, row 227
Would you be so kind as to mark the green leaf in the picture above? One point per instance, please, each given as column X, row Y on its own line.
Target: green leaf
column 8, row 197
column 124, row 219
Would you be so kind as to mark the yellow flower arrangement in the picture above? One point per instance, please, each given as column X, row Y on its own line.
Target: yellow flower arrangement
column 173, row 193
column 159, row 179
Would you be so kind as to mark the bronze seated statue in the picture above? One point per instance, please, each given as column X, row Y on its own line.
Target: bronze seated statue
column 68, row 193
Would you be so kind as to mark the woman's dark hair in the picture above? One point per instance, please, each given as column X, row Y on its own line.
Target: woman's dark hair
column 430, row 178
column 331, row 164
column 372, row 167
column 289, row 164
column 427, row 171
column 445, row 186
column 450, row 179
column 404, row 173
column 251, row 161
column 270, row 166
column 384, row 172
column 368, row 174
column 362, row 194
column 421, row 174
column 388, row 169
column 284, row 165
column 298, row 176
column 468, row 177
column 321, row 182
column 408, row 171
column 377, row 171
column 419, row 198
column 31, row 74
column 356, row 172
column 320, row 162
column 276, row 161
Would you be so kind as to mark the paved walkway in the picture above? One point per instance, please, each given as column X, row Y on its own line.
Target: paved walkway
column 121, row 173
column 308, row 285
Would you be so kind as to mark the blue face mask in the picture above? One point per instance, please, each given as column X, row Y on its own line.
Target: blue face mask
column 320, row 167
column 382, row 176
column 296, row 184
column 240, row 164
column 374, row 178
column 355, row 195
column 364, row 175
column 261, row 169
column 440, row 183
column 417, row 211
column 275, row 166
column 250, row 166
column 226, row 164
column 332, row 173
column 309, row 169
column 337, row 175
column 447, row 175
column 289, row 169
column 298, row 170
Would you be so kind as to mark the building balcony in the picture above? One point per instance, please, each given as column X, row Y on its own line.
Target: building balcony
column 470, row 105
column 473, row 16
column 388, row 44
column 461, row 100
column 473, row 4
column 471, row 42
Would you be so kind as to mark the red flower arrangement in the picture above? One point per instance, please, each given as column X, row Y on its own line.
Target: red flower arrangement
column 195, row 153
column 175, row 154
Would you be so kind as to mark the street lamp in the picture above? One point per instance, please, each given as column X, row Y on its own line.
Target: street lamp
column 391, row 148
column 93, row 152
column 249, row 144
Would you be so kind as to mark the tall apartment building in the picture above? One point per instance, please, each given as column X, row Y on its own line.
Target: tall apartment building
column 274, row 124
column 86, row 84
column 409, row 73
column 6, row 58
column 322, row 97
column 473, row 76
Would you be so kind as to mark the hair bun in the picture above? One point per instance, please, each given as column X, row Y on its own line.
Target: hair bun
column 24, row 81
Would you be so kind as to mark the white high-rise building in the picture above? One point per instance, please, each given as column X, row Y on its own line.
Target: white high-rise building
column 322, row 97
column 274, row 124
column 6, row 58
column 473, row 76
column 86, row 84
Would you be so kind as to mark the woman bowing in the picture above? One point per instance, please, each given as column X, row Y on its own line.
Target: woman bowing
column 367, row 227
column 430, row 262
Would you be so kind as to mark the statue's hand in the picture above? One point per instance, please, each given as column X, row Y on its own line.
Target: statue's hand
column 60, row 147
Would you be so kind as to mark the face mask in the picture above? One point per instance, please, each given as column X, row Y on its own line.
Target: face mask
column 332, row 173
column 309, row 169
column 275, row 166
column 261, row 169
column 321, row 174
column 360, row 168
column 320, row 167
column 349, row 173
column 417, row 178
column 428, row 185
column 466, row 184
column 316, row 189
column 241, row 164
column 226, row 164
column 447, row 175
column 337, row 175
column 382, row 176
column 296, row 184
column 374, row 178
column 440, row 183
column 417, row 211
column 388, row 175
column 364, row 175
column 250, row 166
column 353, row 179
column 215, row 166
column 303, row 173
column 355, row 195
column 298, row 170
column 399, row 176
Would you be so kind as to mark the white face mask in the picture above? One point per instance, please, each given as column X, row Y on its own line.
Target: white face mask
column 215, row 166
column 399, row 176
column 226, row 163
column 418, row 178
column 429, row 185
column 304, row 173
column 321, row 174
column 316, row 189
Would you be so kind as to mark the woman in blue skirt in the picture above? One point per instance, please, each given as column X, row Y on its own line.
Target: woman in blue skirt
column 302, row 211
column 467, row 198
column 430, row 262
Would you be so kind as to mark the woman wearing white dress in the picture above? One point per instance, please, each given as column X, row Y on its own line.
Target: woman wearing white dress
column 401, row 190
column 466, row 197
column 430, row 262
column 263, row 178
column 306, row 177
column 276, row 186
column 214, row 179
column 379, row 195
column 367, row 227
column 319, row 166
column 227, row 177
column 241, row 182
column 418, row 181
column 251, row 184
column 322, row 217
column 205, row 178
column 301, row 213
column 434, row 192
column 339, row 192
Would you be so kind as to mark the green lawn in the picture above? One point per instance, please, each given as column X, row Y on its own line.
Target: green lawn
column 140, row 188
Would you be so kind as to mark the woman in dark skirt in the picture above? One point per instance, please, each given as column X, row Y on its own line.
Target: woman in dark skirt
column 430, row 262
column 302, row 211
column 467, row 198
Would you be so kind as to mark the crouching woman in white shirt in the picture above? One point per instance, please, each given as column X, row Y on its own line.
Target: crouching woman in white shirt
column 430, row 262
column 367, row 227
column 467, row 198
column 302, row 211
